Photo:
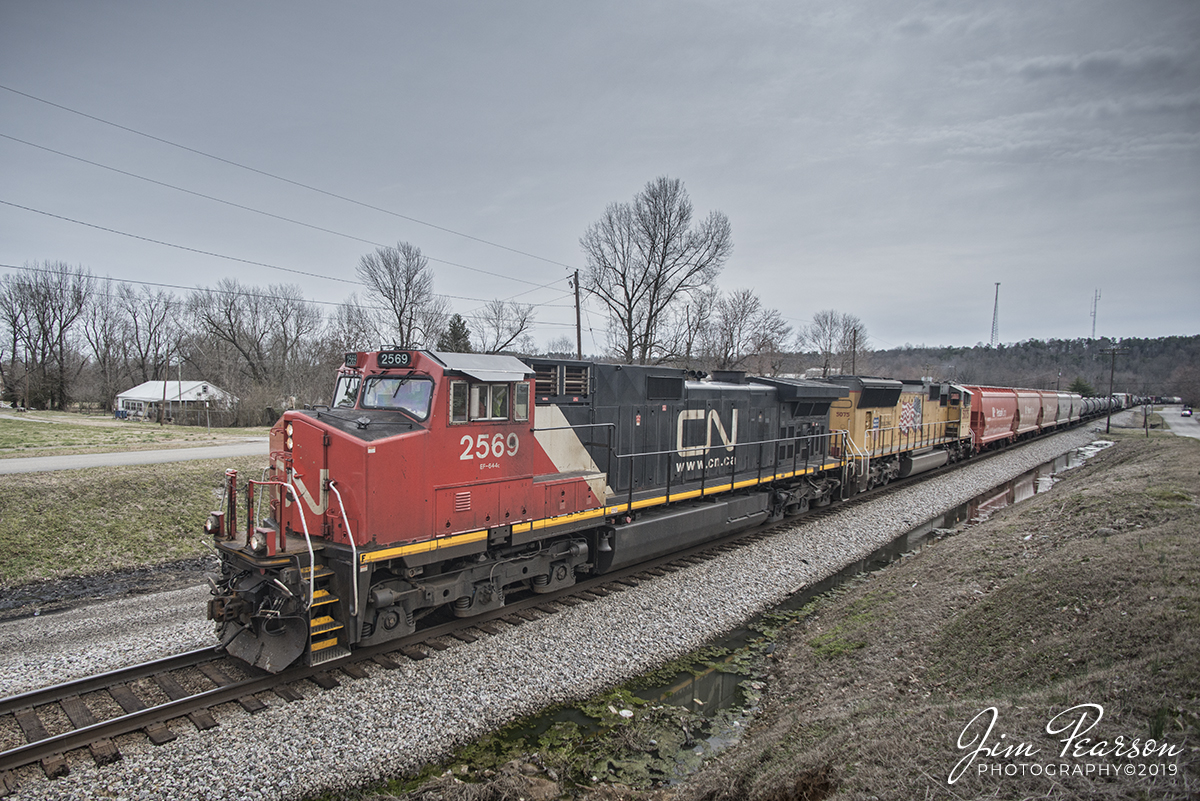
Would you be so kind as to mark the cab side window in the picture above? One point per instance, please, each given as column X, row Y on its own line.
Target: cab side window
column 458, row 401
column 489, row 402
column 470, row 401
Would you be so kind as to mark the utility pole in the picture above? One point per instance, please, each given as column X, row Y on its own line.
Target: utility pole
column 163, row 406
column 578, row 326
column 1111, row 369
column 854, row 351
column 996, row 317
column 1095, row 303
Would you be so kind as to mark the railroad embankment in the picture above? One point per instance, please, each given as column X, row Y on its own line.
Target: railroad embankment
column 1069, row 622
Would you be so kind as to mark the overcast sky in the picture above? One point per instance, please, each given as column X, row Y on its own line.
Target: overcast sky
column 892, row 160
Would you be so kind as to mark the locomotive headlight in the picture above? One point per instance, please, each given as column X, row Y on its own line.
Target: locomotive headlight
column 258, row 542
column 288, row 430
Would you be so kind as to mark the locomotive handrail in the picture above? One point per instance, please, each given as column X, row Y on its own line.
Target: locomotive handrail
column 353, row 550
column 312, row 557
column 859, row 453
column 612, row 427
column 733, row 468
column 925, row 434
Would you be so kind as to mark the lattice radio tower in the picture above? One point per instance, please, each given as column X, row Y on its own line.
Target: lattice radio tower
column 996, row 317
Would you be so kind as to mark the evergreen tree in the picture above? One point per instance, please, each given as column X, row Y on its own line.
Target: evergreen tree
column 1082, row 387
column 457, row 337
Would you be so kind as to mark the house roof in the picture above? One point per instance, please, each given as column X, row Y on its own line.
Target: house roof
column 152, row 392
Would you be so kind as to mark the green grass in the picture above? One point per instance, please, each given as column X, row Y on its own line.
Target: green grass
column 51, row 433
column 82, row 522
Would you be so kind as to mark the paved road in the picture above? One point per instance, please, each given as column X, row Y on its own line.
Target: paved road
column 37, row 464
column 1183, row 426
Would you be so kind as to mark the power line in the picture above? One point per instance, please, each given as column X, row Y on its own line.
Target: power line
column 239, row 292
column 221, row 255
column 257, row 211
column 283, row 179
column 181, row 247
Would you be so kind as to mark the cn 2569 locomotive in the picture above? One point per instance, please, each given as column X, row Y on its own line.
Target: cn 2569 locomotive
column 446, row 480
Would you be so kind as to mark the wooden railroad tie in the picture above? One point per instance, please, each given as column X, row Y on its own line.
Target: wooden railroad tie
column 355, row 670
column 202, row 719
column 103, row 751
column 129, row 701
column 325, row 680
column 385, row 661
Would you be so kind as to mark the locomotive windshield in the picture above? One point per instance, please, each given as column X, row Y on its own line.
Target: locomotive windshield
column 346, row 391
column 401, row 393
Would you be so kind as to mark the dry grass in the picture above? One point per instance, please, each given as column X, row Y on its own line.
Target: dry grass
column 84, row 522
column 1087, row 594
column 54, row 433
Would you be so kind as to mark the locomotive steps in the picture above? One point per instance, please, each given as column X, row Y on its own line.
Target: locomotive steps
column 420, row 710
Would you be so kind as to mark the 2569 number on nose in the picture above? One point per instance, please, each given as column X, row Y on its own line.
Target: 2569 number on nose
column 481, row 446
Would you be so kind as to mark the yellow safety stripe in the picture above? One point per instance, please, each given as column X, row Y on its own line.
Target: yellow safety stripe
column 323, row 644
column 674, row 497
column 424, row 547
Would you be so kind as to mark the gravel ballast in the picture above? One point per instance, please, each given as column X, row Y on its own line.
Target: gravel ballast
column 397, row 720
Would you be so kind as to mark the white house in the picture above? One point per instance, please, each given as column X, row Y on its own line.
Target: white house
column 143, row 400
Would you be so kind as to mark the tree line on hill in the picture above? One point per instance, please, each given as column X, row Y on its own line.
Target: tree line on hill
column 71, row 337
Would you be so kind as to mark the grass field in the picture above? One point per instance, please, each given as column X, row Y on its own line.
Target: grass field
column 50, row 433
column 80, row 522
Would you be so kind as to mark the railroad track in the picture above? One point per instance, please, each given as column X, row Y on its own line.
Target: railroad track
column 160, row 696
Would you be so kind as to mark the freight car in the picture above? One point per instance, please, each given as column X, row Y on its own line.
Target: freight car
column 444, row 481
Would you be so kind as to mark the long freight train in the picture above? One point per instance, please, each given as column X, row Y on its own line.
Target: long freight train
column 446, row 480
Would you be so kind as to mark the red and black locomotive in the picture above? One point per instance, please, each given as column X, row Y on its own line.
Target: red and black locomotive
column 446, row 480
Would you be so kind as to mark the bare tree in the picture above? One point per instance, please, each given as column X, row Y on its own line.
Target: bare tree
column 353, row 327
column 733, row 335
column 236, row 316
column 645, row 258
column 150, row 317
column 562, row 347
column 499, row 325
column 104, row 331
column 770, row 353
column 42, row 306
column 400, row 277
column 295, row 324
column 688, row 332
column 743, row 332
column 840, row 341
column 853, row 345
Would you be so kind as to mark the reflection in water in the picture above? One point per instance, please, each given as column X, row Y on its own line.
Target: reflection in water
column 1036, row 481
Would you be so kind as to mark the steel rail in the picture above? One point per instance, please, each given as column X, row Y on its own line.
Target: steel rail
column 102, row 681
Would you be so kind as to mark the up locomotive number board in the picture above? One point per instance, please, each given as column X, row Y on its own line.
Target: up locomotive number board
column 395, row 359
